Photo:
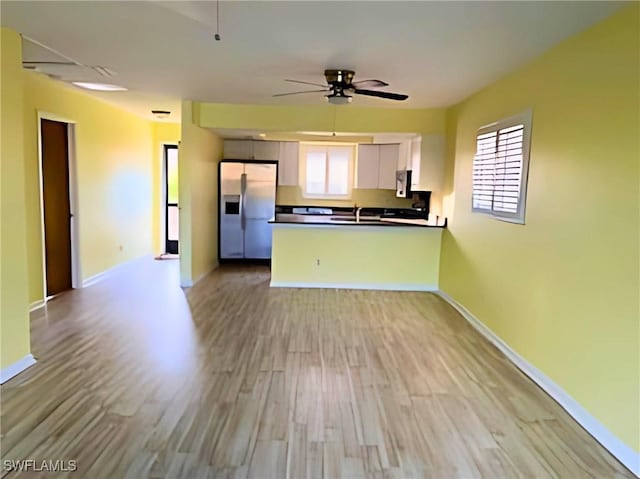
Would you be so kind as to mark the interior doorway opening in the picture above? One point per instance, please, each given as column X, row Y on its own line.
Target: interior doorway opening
column 171, row 209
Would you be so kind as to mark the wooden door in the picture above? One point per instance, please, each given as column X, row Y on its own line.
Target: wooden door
column 57, row 208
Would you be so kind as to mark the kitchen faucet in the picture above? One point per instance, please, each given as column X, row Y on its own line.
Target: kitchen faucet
column 358, row 210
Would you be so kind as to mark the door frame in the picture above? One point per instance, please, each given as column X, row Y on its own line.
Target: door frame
column 163, row 191
column 76, row 270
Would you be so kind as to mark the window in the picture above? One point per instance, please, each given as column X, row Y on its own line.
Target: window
column 500, row 168
column 327, row 170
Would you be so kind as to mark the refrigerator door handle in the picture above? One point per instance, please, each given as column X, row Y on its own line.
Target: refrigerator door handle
column 243, row 196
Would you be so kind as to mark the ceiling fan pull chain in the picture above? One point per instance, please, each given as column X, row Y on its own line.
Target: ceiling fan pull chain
column 217, row 35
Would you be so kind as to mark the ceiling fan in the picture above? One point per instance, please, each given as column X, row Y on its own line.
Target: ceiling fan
column 340, row 83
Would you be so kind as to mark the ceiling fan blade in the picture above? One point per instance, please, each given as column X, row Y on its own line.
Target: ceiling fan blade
column 306, row 83
column 369, row 84
column 300, row 92
column 382, row 94
column 48, row 63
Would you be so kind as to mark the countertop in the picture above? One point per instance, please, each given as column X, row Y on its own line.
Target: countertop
column 346, row 220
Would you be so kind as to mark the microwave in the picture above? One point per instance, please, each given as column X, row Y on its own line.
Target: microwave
column 403, row 183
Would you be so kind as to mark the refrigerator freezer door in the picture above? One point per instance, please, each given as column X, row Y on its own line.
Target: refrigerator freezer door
column 231, row 240
column 230, row 178
column 231, row 232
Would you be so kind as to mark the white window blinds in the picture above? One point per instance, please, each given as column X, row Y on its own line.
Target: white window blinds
column 500, row 168
column 327, row 170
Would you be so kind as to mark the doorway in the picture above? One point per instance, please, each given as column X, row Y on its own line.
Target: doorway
column 172, row 211
column 56, row 139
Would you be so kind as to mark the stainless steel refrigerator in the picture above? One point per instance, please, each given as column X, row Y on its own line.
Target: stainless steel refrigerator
column 247, row 203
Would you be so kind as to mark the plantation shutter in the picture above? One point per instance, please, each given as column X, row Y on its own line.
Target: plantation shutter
column 508, row 174
column 499, row 170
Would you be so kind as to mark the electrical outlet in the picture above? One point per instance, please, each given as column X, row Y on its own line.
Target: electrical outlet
column 121, row 248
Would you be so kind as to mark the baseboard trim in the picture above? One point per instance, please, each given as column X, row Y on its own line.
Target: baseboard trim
column 96, row 278
column 190, row 284
column 16, row 368
column 372, row 286
column 37, row 305
column 625, row 454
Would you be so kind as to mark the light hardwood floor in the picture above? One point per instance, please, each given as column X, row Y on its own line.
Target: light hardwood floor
column 239, row 380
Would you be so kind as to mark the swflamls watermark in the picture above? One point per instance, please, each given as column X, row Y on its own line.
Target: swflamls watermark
column 34, row 465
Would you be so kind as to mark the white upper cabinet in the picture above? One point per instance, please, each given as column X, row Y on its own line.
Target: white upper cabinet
column 389, row 159
column 288, row 163
column 377, row 165
column 430, row 176
column 238, row 149
column 284, row 152
column 251, row 150
column 368, row 166
column 266, row 150
column 413, row 162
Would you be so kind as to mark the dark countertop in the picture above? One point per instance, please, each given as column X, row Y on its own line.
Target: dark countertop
column 343, row 220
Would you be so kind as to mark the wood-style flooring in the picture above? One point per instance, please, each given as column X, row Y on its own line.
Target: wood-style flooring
column 135, row 379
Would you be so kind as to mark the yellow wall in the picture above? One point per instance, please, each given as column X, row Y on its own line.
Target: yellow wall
column 396, row 257
column 14, row 318
column 114, row 177
column 348, row 118
column 563, row 290
column 163, row 133
column 199, row 154
column 292, row 195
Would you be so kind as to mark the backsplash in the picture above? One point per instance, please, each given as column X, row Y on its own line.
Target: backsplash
column 292, row 195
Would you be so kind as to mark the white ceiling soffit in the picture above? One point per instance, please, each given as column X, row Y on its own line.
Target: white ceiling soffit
column 436, row 52
column 339, row 136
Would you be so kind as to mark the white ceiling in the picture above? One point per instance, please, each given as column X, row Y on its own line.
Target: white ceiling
column 436, row 52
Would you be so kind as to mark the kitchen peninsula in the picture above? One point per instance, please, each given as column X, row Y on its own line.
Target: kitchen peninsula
column 356, row 251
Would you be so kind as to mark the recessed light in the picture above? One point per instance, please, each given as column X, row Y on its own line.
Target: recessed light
column 99, row 86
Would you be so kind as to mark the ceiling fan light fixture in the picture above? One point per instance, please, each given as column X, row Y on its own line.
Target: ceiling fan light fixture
column 338, row 99
column 161, row 114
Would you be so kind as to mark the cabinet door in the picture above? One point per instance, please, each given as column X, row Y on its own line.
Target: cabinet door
column 288, row 164
column 431, row 175
column 266, row 150
column 238, row 149
column 388, row 165
column 404, row 156
column 415, row 163
column 368, row 166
